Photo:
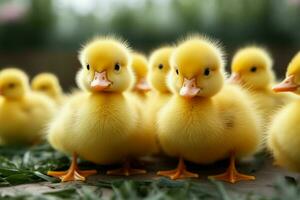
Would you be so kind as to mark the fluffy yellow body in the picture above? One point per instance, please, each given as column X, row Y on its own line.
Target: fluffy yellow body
column 204, row 130
column 283, row 137
column 24, row 120
column 99, row 129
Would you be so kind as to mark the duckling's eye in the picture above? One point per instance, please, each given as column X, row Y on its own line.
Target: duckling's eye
column 177, row 72
column 11, row 85
column 160, row 66
column 206, row 72
column 253, row 69
column 117, row 67
column 44, row 87
column 88, row 67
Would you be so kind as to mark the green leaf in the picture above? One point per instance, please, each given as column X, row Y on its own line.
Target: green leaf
column 221, row 189
column 8, row 172
column 46, row 178
column 64, row 193
column 19, row 179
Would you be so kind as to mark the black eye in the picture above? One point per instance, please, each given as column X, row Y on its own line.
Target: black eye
column 206, row 72
column 11, row 85
column 160, row 66
column 44, row 87
column 177, row 72
column 253, row 69
column 117, row 67
column 88, row 67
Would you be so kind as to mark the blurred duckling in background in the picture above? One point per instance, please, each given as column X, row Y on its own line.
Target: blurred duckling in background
column 139, row 67
column 103, row 127
column 159, row 67
column 158, row 70
column 140, row 88
column 252, row 67
column 283, row 136
column 48, row 84
column 205, row 121
column 23, row 114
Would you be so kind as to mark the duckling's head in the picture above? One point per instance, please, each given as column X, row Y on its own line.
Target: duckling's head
column 292, row 80
column 14, row 83
column 46, row 83
column 197, row 66
column 159, row 67
column 105, row 66
column 139, row 67
column 252, row 67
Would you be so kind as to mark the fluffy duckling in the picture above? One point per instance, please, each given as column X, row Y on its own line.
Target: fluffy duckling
column 140, row 68
column 23, row 114
column 252, row 67
column 103, row 127
column 48, row 84
column 158, row 69
column 205, row 121
column 283, row 136
column 139, row 92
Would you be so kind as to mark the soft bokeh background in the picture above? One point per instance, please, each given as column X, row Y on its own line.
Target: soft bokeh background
column 45, row 35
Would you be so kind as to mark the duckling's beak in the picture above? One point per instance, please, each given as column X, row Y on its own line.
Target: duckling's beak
column 287, row 85
column 143, row 85
column 189, row 88
column 235, row 78
column 100, row 81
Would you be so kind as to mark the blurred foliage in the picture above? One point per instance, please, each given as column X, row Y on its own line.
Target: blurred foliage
column 31, row 30
column 59, row 24
column 45, row 35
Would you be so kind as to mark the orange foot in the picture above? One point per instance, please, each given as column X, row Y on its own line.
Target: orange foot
column 232, row 175
column 126, row 170
column 179, row 173
column 73, row 173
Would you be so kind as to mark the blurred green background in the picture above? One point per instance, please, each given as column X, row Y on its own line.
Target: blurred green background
column 45, row 35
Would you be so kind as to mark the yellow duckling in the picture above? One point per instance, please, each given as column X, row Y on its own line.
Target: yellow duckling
column 252, row 68
column 140, row 68
column 23, row 114
column 140, row 88
column 48, row 84
column 205, row 121
column 158, row 69
column 99, row 124
column 283, row 136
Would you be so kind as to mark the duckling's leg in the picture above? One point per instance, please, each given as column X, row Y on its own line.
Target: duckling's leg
column 126, row 170
column 179, row 172
column 73, row 173
column 232, row 175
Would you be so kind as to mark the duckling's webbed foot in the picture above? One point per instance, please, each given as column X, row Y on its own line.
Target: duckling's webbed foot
column 232, row 175
column 179, row 173
column 73, row 173
column 126, row 170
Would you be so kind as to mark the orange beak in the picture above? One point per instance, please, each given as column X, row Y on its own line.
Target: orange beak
column 287, row 85
column 235, row 78
column 189, row 88
column 143, row 85
column 100, row 81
